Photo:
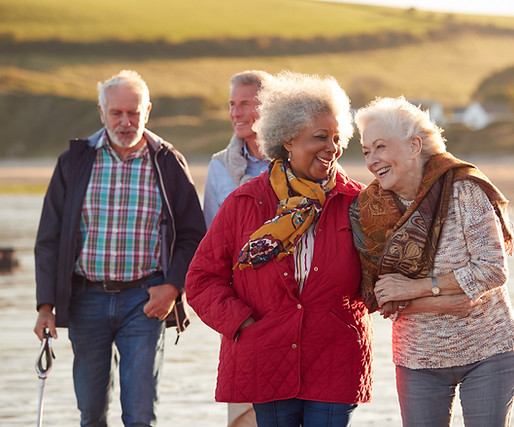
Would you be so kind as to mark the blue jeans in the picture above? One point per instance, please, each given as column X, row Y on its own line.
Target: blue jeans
column 306, row 413
column 486, row 393
column 97, row 320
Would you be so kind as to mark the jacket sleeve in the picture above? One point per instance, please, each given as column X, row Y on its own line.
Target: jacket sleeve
column 211, row 203
column 209, row 282
column 48, row 237
column 188, row 223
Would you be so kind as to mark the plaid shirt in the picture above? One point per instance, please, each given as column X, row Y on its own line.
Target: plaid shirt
column 121, row 213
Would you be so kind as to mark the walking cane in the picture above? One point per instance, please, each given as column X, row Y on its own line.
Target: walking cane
column 43, row 367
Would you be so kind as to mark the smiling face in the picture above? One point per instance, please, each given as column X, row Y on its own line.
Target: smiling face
column 243, row 110
column 396, row 164
column 315, row 150
column 124, row 115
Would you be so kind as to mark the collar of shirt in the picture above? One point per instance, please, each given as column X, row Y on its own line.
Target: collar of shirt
column 248, row 156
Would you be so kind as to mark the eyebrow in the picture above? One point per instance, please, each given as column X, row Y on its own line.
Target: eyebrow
column 374, row 142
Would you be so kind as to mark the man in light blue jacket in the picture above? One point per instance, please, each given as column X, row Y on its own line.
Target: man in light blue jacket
column 241, row 160
column 231, row 167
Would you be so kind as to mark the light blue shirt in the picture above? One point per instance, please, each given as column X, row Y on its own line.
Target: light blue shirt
column 219, row 184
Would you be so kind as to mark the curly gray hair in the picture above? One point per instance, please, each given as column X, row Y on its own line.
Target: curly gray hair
column 291, row 101
column 403, row 120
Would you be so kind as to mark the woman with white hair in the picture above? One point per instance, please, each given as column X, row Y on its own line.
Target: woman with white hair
column 277, row 273
column 433, row 236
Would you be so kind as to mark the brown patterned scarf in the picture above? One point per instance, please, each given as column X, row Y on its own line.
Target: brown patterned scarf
column 392, row 241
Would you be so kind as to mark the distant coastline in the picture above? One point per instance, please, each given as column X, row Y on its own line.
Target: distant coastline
column 33, row 175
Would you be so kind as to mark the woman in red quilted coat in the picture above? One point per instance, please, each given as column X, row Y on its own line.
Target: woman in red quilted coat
column 277, row 273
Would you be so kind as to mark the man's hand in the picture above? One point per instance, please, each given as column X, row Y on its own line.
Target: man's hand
column 162, row 300
column 45, row 320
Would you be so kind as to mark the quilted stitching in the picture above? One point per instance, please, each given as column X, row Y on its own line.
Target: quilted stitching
column 296, row 348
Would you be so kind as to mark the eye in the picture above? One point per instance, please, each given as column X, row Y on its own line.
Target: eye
column 365, row 153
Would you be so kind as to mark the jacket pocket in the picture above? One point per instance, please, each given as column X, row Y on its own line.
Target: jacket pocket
column 348, row 325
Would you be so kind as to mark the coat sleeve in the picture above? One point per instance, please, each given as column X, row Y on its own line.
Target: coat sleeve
column 209, row 281
column 48, row 237
column 211, row 202
column 187, row 222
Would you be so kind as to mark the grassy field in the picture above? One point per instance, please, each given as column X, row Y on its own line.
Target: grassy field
column 48, row 90
column 181, row 20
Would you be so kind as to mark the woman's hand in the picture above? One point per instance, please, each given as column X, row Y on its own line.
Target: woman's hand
column 454, row 305
column 395, row 287
column 457, row 305
column 393, row 307
column 247, row 322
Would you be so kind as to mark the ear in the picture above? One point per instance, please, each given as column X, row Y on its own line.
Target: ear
column 101, row 114
column 148, row 112
column 288, row 145
column 416, row 145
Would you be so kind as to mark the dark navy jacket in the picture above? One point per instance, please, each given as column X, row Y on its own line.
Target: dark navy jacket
column 57, row 245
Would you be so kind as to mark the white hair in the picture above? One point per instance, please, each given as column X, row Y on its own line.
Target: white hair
column 124, row 78
column 249, row 78
column 404, row 121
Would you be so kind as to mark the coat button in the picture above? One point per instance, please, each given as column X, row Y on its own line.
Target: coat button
column 299, row 306
column 315, row 268
column 285, row 273
column 294, row 346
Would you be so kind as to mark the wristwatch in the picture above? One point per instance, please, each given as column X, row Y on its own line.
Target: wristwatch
column 435, row 289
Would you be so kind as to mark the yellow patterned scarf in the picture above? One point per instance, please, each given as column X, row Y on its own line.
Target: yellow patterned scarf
column 300, row 204
column 392, row 241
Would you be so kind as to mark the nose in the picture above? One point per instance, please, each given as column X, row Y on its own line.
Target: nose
column 125, row 120
column 235, row 110
column 371, row 159
column 333, row 146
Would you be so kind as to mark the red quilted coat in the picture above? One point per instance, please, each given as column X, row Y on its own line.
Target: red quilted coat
column 315, row 345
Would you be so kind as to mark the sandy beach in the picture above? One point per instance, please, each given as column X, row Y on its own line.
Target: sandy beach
column 190, row 367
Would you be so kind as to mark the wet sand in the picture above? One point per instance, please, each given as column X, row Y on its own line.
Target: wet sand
column 190, row 367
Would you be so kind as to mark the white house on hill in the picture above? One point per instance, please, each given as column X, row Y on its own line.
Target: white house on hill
column 477, row 116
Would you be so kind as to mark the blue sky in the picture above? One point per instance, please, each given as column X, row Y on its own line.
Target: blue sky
column 483, row 7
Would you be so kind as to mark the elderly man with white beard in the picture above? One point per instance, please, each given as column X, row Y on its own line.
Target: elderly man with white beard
column 121, row 221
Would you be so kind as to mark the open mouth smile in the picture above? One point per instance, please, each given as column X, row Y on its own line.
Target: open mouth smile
column 324, row 161
column 383, row 171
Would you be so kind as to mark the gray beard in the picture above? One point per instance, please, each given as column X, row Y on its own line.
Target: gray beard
column 118, row 143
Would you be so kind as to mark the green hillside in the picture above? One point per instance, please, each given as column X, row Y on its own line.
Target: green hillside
column 181, row 20
column 52, row 53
